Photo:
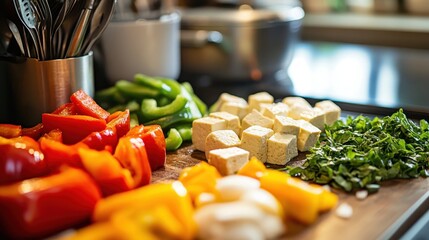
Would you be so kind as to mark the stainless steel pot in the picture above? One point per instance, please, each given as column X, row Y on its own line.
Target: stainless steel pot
column 238, row 43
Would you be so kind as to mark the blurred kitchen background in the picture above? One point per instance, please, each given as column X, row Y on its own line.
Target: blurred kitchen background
column 369, row 56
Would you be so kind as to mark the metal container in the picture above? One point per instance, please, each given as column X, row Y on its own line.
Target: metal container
column 239, row 44
column 42, row 86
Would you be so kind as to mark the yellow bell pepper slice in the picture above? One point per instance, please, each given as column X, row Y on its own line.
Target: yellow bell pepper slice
column 254, row 168
column 172, row 195
column 159, row 221
column 200, row 178
column 328, row 199
column 299, row 199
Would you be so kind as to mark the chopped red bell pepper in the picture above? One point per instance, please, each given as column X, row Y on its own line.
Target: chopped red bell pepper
column 104, row 139
column 55, row 135
column 33, row 132
column 20, row 158
column 40, row 207
column 57, row 153
column 106, row 171
column 66, row 109
column 131, row 153
column 74, row 127
column 86, row 105
column 10, row 130
column 121, row 121
column 154, row 140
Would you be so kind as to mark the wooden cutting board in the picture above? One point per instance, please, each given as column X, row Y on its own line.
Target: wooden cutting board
column 386, row 214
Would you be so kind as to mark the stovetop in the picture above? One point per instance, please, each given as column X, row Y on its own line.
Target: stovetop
column 360, row 78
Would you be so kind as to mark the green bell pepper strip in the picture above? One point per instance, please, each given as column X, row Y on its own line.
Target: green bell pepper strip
column 134, row 120
column 109, row 95
column 135, row 91
column 186, row 115
column 200, row 104
column 195, row 111
column 175, row 87
column 163, row 88
column 173, row 140
column 185, row 131
column 151, row 111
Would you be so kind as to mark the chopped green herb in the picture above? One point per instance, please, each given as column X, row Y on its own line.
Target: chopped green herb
column 360, row 152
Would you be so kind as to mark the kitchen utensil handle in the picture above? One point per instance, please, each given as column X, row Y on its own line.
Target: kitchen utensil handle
column 78, row 34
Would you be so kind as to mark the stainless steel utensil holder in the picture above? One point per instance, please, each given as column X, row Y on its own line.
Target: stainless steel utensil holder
column 42, row 86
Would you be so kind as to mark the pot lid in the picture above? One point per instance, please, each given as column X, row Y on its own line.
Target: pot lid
column 242, row 16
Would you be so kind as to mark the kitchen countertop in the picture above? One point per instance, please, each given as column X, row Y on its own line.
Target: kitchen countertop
column 387, row 214
column 360, row 78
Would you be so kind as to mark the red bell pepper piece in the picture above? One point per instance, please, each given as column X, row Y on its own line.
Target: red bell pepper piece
column 106, row 171
column 74, row 127
column 86, row 105
column 121, row 121
column 154, row 140
column 104, row 139
column 131, row 153
column 33, row 132
column 57, row 153
column 66, row 109
column 55, row 135
column 39, row 207
column 10, row 130
column 20, row 158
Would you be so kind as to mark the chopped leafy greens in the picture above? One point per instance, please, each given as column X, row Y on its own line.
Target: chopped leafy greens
column 360, row 152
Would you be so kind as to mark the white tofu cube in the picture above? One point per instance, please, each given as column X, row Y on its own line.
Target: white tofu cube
column 228, row 160
column 292, row 101
column 225, row 98
column 295, row 111
column 286, row 125
column 255, row 140
column 202, row 127
column 256, row 118
column 237, row 108
column 282, row 148
column 221, row 139
column 332, row 111
column 274, row 109
column 314, row 116
column 308, row 135
column 232, row 121
column 256, row 99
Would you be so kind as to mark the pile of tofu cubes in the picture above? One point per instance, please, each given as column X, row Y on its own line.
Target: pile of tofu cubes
column 273, row 132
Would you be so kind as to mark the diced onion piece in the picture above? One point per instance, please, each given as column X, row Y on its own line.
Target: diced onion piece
column 361, row 194
column 344, row 211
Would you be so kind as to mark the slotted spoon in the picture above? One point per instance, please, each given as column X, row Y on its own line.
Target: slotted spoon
column 27, row 15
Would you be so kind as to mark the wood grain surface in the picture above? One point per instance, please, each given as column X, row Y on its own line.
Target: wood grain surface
column 386, row 214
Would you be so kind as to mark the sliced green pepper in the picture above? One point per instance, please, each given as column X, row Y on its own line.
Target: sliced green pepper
column 134, row 120
column 195, row 111
column 185, row 131
column 151, row 111
column 157, row 84
column 173, row 140
column 133, row 106
column 109, row 95
column 175, row 87
column 200, row 104
column 135, row 91
column 183, row 116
